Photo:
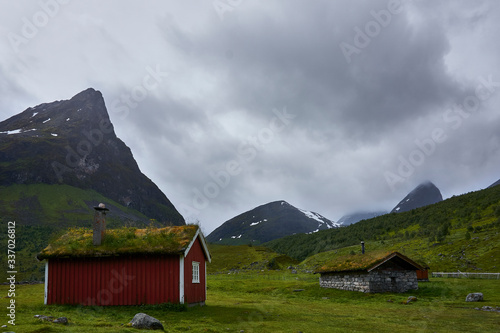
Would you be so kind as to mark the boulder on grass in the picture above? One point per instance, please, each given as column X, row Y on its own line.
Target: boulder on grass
column 143, row 321
column 61, row 320
column 474, row 297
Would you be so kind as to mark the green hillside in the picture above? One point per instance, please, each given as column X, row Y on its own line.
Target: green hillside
column 230, row 258
column 43, row 212
column 460, row 233
column 61, row 205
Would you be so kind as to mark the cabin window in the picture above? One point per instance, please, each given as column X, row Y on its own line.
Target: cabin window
column 196, row 272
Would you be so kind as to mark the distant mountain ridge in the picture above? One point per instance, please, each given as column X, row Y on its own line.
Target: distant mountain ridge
column 424, row 194
column 73, row 142
column 495, row 183
column 267, row 222
column 444, row 227
column 358, row 216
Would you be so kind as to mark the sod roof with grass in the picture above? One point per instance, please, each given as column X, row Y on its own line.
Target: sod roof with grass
column 77, row 242
column 366, row 262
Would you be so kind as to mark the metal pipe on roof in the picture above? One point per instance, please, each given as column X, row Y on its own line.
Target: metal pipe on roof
column 99, row 224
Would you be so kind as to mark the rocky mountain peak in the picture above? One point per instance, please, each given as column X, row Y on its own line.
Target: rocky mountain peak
column 73, row 142
column 424, row 194
column 85, row 110
column 267, row 222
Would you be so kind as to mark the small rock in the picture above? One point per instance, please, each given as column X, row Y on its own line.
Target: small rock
column 45, row 318
column 411, row 299
column 294, row 271
column 487, row 308
column 62, row 321
column 143, row 321
column 474, row 297
column 325, row 297
column 298, row 290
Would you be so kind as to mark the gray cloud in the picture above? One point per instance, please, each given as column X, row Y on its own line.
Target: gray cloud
column 225, row 75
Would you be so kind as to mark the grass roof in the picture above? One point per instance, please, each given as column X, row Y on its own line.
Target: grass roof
column 77, row 242
column 355, row 262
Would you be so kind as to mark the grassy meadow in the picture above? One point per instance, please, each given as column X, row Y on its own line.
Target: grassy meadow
column 279, row 301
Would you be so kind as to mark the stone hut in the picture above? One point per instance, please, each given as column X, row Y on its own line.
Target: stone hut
column 371, row 273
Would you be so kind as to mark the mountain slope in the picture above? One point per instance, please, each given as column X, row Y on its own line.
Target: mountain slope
column 229, row 258
column 61, row 206
column 43, row 211
column 268, row 222
column 356, row 217
column 495, row 183
column 424, row 194
column 432, row 226
column 73, row 142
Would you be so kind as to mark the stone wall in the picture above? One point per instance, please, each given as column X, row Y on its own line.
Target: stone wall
column 393, row 281
column 346, row 281
column 376, row 281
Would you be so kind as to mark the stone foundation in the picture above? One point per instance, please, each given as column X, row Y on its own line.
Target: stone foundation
column 377, row 281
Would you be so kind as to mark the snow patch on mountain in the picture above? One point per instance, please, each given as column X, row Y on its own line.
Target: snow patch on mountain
column 17, row 131
column 257, row 223
column 321, row 219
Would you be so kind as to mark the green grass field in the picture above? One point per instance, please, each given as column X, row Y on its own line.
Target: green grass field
column 268, row 301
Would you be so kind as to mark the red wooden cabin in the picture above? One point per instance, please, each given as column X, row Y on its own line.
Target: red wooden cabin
column 130, row 267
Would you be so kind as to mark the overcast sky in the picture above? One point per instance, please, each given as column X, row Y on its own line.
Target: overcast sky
column 333, row 106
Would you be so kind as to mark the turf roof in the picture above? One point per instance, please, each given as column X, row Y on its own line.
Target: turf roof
column 362, row 262
column 77, row 242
